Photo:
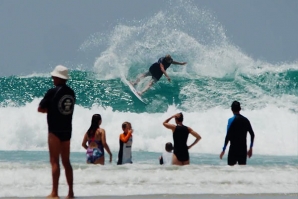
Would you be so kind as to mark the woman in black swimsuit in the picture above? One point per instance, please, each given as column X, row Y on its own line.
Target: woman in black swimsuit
column 180, row 136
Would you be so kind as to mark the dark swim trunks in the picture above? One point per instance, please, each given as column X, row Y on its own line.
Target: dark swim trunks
column 63, row 136
column 237, row 154
column 155, row 68
column 155, row 71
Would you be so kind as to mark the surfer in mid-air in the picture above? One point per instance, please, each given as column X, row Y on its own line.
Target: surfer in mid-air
column 156, row 71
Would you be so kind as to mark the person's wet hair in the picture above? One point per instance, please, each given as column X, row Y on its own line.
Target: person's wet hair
column 168, row 58
column 180, row 119
column 236, row 106
column 169, row 147
column 125, row 124
column 94, row 125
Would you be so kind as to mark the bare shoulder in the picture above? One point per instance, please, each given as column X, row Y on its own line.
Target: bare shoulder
column 189, row 129
column 169, row 126
column 98, row 133
column 101, row 130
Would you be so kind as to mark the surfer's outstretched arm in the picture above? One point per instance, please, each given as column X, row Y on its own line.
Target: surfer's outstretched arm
column 179, row 63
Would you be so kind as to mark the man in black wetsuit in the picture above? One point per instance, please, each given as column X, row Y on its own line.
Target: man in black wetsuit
column 59, row 103
column 156, row 70
column 237, row 129
column 180, row 136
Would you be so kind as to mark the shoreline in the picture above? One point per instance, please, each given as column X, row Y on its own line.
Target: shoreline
column 184, row 196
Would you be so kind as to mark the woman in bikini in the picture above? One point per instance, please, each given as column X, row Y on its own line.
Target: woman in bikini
column 96, row 139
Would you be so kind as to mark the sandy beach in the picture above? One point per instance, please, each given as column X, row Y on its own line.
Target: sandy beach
column 177, row 196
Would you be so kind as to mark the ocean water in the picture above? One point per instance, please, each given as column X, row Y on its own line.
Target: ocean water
column 216, row 74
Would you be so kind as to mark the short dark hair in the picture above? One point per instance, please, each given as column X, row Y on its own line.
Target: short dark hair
column 124, row 125
column 168, row 58
column 169, row 146
column 235, row 106
column 180, row 119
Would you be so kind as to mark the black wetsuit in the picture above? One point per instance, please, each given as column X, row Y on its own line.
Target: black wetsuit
column 59, row 102
column 180, row 136
column 238, row 126
column 155, row 68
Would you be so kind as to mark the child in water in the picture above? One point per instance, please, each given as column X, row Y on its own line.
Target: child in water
column 125, row 142
column 167, row 155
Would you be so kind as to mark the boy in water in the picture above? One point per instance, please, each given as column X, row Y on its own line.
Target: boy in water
column 167, row 155
column 125, row 142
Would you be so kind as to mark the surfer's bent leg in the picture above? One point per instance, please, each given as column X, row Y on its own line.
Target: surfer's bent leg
column 141, row 76
column 151, row 82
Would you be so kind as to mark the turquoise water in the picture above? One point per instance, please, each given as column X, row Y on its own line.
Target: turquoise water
column 149, row 158
column 209, row 91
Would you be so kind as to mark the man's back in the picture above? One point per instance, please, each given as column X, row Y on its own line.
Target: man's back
column 237, row 130
column 60, row 106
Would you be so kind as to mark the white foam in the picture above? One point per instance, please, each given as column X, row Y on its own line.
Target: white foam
column 132, row 46
column 18, row 180
column 23, row 128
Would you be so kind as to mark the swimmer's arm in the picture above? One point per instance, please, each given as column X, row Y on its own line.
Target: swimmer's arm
column 252, row 137
column 85, row 139
column 179, row 63
column 160, row 160
column 169, row 126
column 105, row 144
column 164, row 71
column 196, row 135
column 42, row 108
column 227, row 139
column 125, row 138
column 228, row 135
column 45, row 102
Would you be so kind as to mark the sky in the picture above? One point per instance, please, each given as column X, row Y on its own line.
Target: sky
column 37, row 35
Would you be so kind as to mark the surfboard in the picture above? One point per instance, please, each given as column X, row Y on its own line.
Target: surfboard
column 133, row 90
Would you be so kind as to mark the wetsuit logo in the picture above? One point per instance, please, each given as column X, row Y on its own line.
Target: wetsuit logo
column 66, row 104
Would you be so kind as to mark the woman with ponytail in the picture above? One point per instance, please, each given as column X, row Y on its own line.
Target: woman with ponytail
column 95, row 137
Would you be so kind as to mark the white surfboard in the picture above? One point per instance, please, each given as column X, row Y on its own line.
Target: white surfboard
column 133, row 90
